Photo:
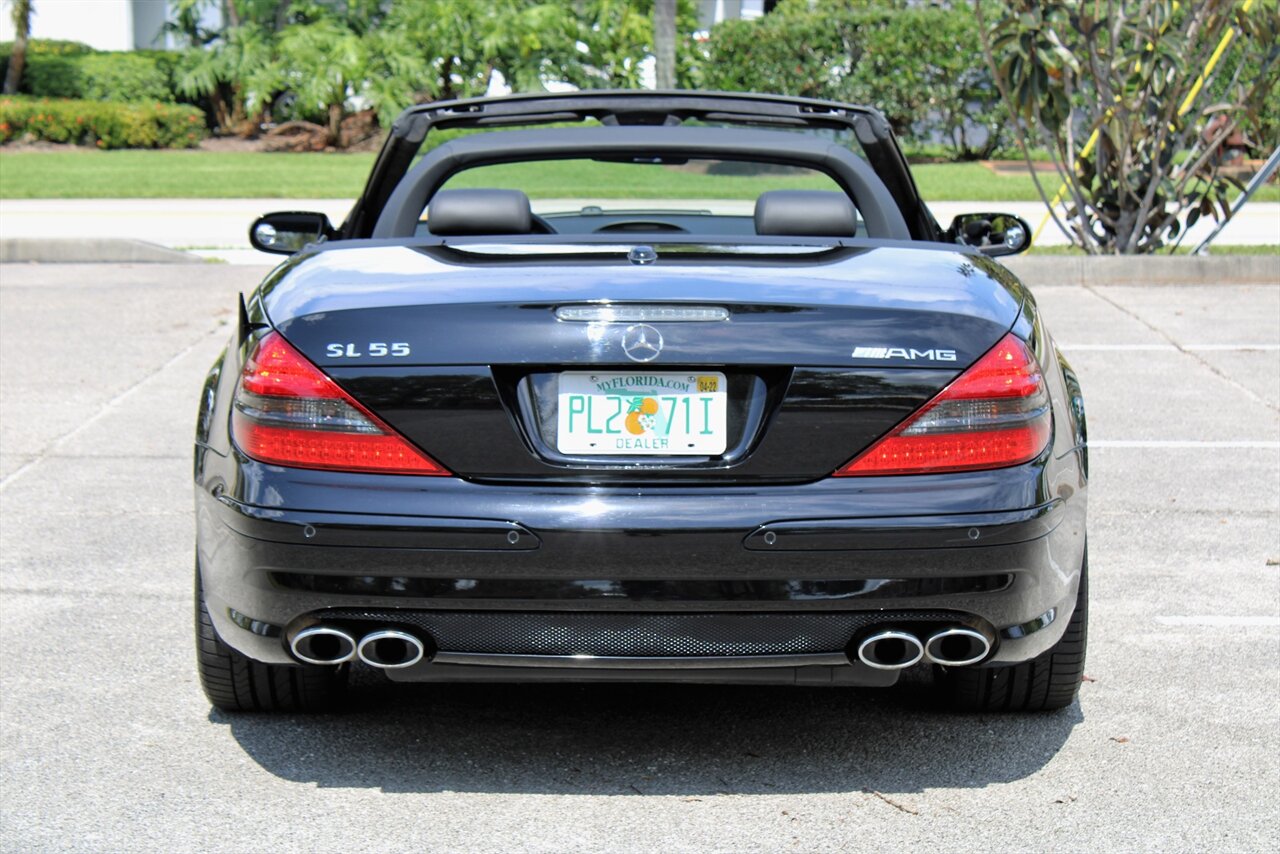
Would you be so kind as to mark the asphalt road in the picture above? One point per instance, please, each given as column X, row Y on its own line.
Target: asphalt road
column 107, row 744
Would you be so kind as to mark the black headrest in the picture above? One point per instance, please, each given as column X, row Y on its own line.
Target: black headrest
column 806, row 213
column 479, row 212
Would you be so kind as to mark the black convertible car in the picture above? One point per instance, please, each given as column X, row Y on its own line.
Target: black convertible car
column 722, row 403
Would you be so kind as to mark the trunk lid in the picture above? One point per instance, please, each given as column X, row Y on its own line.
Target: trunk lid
column 461, row 349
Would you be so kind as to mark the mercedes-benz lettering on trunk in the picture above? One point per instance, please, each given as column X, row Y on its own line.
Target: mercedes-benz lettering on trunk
column 787, row 431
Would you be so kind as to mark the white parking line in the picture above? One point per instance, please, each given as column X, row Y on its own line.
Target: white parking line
column 1170, row 348
column 1119, row 348
column 1187, row 444
column 1268, row 348
column 1208, row 620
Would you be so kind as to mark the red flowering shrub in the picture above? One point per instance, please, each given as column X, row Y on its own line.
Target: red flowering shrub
column 105, row 124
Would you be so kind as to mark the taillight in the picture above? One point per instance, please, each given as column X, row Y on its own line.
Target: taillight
column 995, row 414
column 287, row 412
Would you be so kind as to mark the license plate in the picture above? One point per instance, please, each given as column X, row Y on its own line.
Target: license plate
column 654, row 414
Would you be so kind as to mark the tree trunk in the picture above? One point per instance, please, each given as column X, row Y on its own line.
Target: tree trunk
column 335, row 125
column 664, row 42
column 18, row 54
column 221, row 116
column 446, row 80
column 282, row 14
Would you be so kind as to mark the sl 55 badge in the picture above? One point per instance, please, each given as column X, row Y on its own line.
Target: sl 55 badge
column 375, row 348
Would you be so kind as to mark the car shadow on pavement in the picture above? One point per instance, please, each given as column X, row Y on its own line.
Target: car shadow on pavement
column 649, row 739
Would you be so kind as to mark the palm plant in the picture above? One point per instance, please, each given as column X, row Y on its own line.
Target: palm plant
column 237, row 74
column 18, row 55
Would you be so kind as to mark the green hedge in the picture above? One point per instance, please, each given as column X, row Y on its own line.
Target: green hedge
column 73, row 70
column 105, row 124
column 123, row 77
column 46, row 47
column 50, row 65
column 921, row 66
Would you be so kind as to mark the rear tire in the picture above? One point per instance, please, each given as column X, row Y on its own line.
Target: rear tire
column 1049, row 681
column 235, row 683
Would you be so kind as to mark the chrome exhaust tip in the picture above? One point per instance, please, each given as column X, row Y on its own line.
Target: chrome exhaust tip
column 890, row 650
column 390, row 649
column 957, row 647
column 323, row 645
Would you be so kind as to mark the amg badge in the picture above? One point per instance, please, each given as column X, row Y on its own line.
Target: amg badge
column 910, row 354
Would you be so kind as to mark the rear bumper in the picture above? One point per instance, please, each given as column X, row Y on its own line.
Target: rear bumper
column 1001, row 549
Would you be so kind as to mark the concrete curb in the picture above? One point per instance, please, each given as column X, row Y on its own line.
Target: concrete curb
column 1083, row 271
column 89, row 250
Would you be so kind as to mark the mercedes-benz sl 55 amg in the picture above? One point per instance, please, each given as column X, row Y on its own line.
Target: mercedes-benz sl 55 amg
column 668, row 386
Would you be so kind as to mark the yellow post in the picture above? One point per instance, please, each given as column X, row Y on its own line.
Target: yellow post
column 1057, row 197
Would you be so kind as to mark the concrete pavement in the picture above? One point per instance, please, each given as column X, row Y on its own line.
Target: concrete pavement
column 106, row 743
column 218, row 228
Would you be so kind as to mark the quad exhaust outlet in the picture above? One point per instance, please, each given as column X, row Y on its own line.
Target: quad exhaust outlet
column 323, row 645
column 893, row 649
column 890, row 650
column 886, row 649
column 386, row 649
column 956, row 647
column 390, row 649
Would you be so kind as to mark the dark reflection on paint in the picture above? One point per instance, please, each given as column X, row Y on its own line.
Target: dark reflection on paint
column 667, row 590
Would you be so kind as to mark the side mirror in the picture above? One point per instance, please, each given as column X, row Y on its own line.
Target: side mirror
column 991, row 233
column 286, row 232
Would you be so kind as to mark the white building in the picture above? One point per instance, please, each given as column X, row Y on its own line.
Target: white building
column 712, row 12
column 133, row 24
column 101, row 24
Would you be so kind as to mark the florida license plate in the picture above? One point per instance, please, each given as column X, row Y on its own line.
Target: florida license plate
column 656, row 414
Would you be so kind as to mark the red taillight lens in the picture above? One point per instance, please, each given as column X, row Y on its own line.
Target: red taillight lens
column 287, row 412
column 995, row 414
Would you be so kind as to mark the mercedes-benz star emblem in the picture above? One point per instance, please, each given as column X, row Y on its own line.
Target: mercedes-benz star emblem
column 641, row 343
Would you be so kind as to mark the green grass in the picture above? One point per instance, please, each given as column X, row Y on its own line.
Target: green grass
column 589, row 179
column 199, row 174
column 947, row 182
column 180, row 174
